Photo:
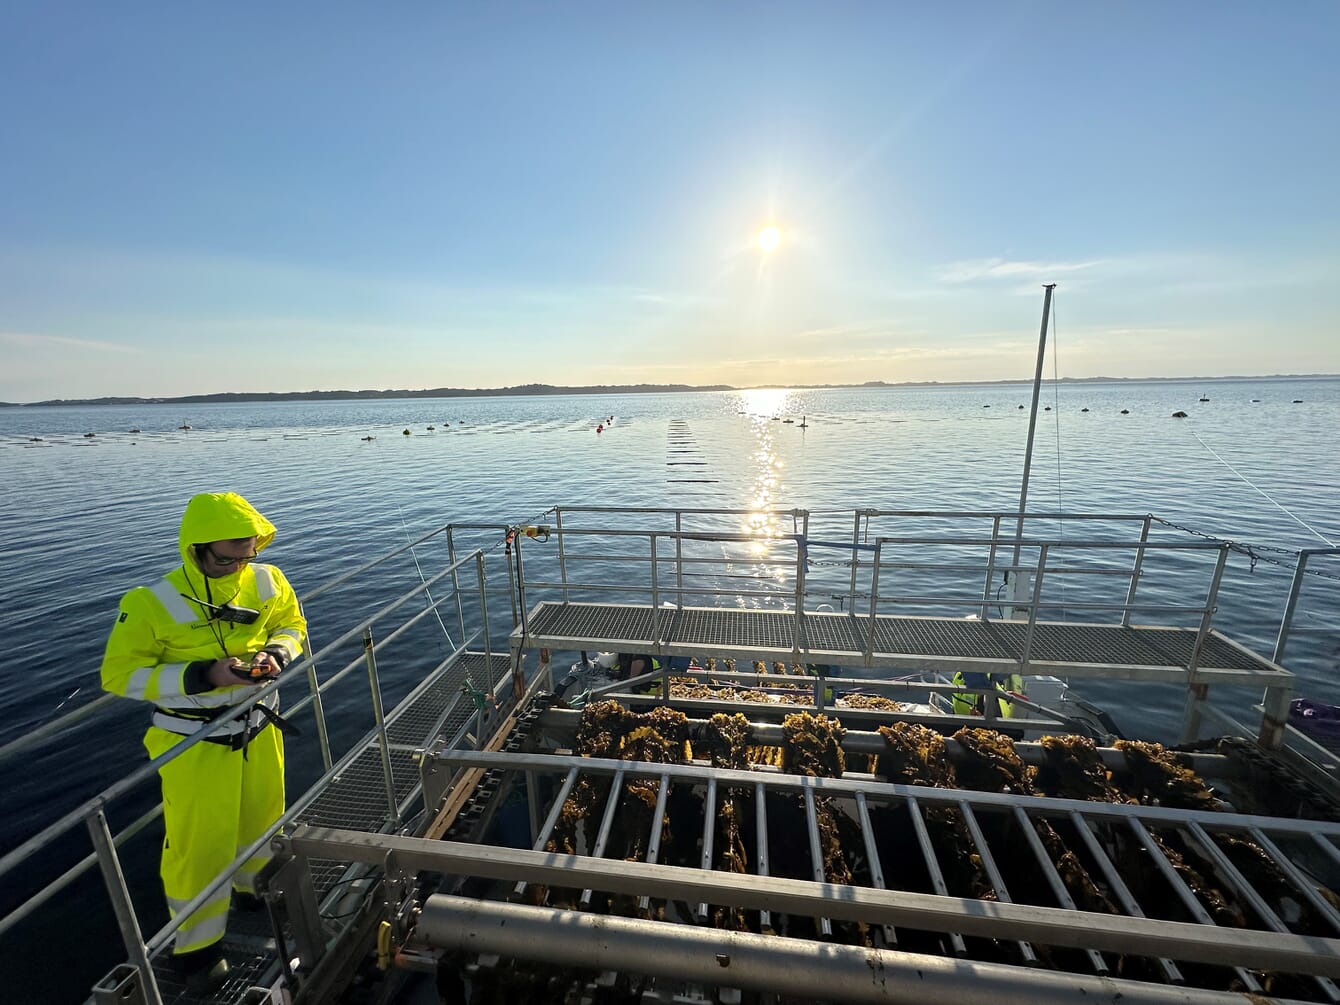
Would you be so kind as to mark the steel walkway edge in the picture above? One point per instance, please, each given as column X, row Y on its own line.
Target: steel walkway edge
column 903, row 642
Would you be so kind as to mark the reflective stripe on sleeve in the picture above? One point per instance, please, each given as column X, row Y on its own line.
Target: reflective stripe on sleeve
column 152, row 683
column 175, row 604
column 138, row 684
column 290, row 639
column 265, row 583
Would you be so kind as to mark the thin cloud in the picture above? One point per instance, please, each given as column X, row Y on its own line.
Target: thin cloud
column 859, row 330
column 30, row 340
column 975, row 270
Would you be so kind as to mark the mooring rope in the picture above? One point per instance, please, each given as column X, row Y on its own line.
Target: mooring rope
column 1280, row 506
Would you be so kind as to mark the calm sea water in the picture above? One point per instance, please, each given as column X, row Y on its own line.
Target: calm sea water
column 83, row 518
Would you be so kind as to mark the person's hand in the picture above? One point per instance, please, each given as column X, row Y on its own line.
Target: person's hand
column 221, row 675
column 265, row 665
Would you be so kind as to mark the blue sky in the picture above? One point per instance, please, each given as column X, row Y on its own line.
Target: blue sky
column 202, row 197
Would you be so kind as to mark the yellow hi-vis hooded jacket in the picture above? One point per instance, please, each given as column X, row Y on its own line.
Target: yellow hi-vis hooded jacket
column 165, row 638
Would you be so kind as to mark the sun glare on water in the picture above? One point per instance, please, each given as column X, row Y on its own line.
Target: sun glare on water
column 769, row 238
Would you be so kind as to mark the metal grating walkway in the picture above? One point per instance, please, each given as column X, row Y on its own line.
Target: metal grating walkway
column 918, row 643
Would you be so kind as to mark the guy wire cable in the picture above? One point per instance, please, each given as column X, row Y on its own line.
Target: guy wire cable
column 1282, row 508
column 437, row 613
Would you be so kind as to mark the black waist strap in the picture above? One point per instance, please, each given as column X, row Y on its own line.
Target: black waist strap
column 240, row 739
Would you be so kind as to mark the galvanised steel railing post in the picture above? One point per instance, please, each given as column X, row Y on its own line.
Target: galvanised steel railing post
column 990, row 567
column 562, row 553
column 805, row 536
column 1286, row 622
column 679, row 558
column 1135, row 573
column 517, row 538
column 375, row 685
column 855, row 540
column 1207, row 613
column 1198, row 692
column 511, row 542
column 483, row 605
column 655, row 592
column 799, row 639
column 319, row 711
column 874, row 599
column 1033, row 607
column 455, row 580
column 115, row 881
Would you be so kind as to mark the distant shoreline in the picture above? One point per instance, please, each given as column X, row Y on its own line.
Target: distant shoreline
column 533, row 390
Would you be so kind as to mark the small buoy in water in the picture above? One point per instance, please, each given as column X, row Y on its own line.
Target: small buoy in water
column 367, row 438
column 404, row 432
column 600, row 427
column 1125, row 411
column 88, row 435
column 1021, row 406
column 1082, row 409
column 1179, row 415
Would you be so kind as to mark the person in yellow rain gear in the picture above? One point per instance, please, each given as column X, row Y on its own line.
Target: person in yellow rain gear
column 969, row 703
column 196, row 643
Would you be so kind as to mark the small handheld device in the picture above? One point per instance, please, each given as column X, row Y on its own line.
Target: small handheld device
column 233, row 614
column 259, row 669
column 230, row 613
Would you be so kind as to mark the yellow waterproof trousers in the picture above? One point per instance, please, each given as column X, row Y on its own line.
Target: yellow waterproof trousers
column 215, row 803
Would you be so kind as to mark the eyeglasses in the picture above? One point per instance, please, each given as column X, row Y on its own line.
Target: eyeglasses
column 218, row 559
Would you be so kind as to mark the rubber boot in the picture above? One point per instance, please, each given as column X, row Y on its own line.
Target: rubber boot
column 202, row 969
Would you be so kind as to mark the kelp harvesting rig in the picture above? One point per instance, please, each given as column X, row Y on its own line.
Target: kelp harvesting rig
column 786, row 808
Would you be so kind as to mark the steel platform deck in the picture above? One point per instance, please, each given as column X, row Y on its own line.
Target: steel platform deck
column 907, row 643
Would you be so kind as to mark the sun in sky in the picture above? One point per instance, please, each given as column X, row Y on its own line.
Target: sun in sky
column 769, row 239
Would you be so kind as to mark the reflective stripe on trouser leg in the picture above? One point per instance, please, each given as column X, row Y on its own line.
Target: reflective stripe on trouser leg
column 262, row 801
column 202, row 805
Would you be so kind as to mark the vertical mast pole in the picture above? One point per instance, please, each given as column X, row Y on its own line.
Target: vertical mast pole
column 1032, row 426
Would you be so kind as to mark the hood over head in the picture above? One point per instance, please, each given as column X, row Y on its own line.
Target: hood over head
column 220, row 516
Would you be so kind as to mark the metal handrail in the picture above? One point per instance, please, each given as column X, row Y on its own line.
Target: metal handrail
column 568, row 585
column 105, row 701
column 1295, row 589
column 92, row 812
